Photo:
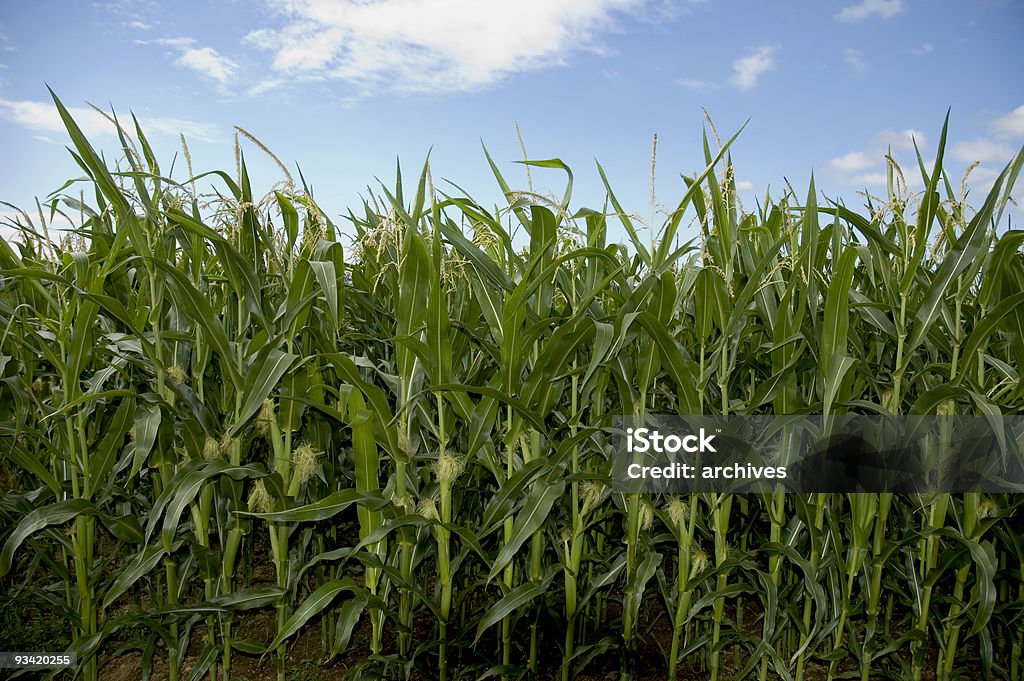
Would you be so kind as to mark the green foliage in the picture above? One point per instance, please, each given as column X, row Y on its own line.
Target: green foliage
column 210, row 406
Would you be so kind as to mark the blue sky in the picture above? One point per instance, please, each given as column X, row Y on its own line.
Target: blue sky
column 344, row 87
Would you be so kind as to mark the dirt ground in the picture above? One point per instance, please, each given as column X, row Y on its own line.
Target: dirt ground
column 305, row 662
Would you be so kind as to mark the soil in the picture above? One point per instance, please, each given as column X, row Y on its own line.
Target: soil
column 305, row 658
column 306, row 662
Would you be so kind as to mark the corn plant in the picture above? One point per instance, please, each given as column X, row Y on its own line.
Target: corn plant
column 407, row 420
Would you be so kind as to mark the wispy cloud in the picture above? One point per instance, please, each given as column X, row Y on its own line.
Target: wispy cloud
column 206, row 132
column 15, row 223
column 1011, row 124
column 992, row 152
column 5, row 42
column 264, row 86
column 855, row 60
column 898, row 139
column 747, row 70
column 852, row 162
column 662, row 11
column 421, row 46
column 981, row 180
column 922, row 49
column 866, row 167
column 864, row 9
column 42, row 117
column 982, row 150
column 869, row 180
column 134, row 15
column 696, row 85
column 205, row 61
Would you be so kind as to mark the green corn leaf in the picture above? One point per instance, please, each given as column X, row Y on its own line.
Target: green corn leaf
column 314, row 604
column 325, row 508
column 183, row 488
column 535, row 512
column 517, row 598
column 833, row 359
column 264, row 375
column 46, row 516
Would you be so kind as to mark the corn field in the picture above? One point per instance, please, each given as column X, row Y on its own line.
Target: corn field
column 216, row 406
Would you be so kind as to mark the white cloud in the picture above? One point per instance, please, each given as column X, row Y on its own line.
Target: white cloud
column 869, row 180
column 866, row 167
column 886, row 9
column 423, row 46
column 981, row 180
column 208, row 62
column 139, row 25
column 981, row 174
column 205, row 132
column 855, row 59
column 1011, row 124
column 662, row 11
column 5, row 42
column 745, row 186
column 42, row 117
column 922, row 49
column 983, row 150
column 852, row 162
column 263, row 86
column 899, row 139
column 697, row 85
column 747, row 70
column 12, row 220
column 205, row 61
